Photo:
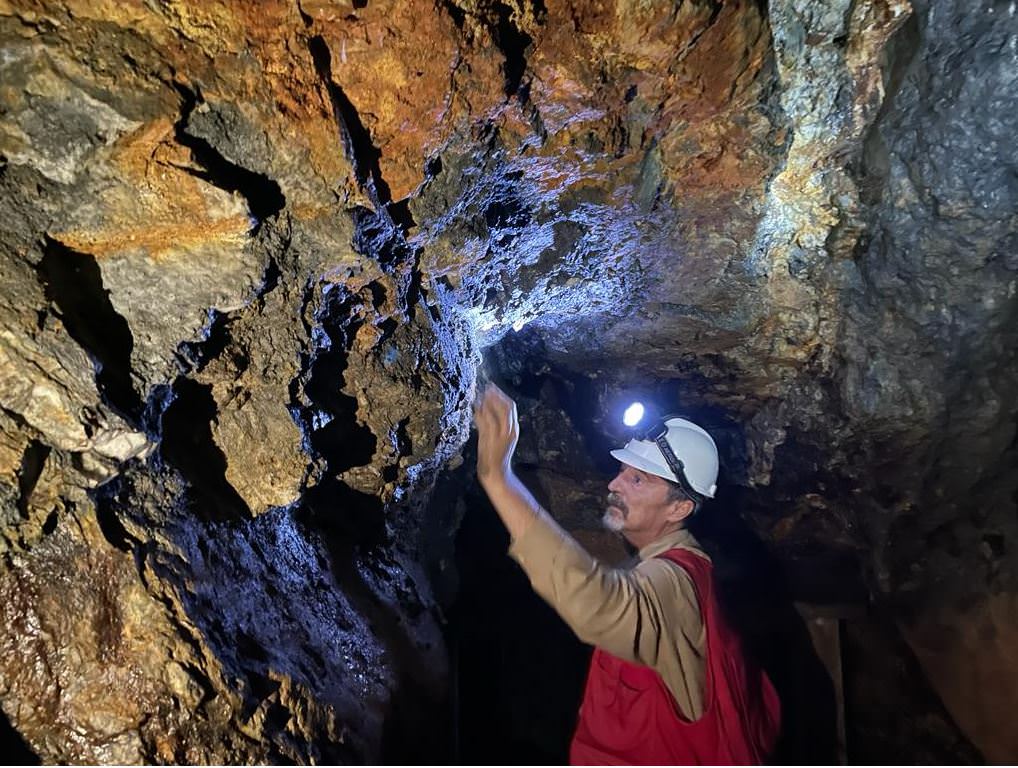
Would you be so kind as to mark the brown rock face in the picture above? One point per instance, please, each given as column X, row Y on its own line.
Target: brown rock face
column 90, row 652
column 251, row 255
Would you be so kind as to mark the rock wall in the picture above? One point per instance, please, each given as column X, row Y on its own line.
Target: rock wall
column 222, row 402
column 251, row 253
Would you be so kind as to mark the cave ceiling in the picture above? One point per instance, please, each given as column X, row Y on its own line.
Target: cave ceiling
column 252, row 254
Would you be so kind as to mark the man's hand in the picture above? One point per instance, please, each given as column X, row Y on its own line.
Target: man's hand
column 498, row 429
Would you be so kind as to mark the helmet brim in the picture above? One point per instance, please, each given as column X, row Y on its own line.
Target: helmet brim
column 626, row 456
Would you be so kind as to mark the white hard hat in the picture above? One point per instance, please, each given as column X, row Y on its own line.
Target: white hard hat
column 691, row 445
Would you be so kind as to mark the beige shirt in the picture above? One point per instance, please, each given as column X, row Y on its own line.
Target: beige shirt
column 648, row 614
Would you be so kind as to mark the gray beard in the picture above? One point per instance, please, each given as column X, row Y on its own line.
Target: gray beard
column 613, row 522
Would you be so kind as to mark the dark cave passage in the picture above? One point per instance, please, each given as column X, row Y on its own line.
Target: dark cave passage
column 74, row 283
column 518, row 671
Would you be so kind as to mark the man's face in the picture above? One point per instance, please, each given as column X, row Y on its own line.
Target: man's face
column 639, row 506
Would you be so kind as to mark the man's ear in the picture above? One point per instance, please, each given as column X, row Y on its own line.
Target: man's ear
column 680, row 510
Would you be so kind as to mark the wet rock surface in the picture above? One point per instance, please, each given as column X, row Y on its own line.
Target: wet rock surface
column 251, row 255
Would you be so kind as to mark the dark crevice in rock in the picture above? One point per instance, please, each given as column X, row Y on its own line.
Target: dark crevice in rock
column 17, row 418
column 533, row 113
column 112, row 528
column 358, row 145
column 257, row 693
column 508, row 211
column 873, row 165
column 513, row 42
column 73, row 282
column 356, row 138
column 457, row 14
column 32, row 462
column 343, row 441
column 346, row 519
column 376, row 236
column 298, row 406
column 401, row 215
column 432, row 168
column 388, row 327
column 249, row 647
column 276, row 241
column 215, row 337
column 50, row 524
column 15, row 749
column 325, row 414
column 270, row 279
column 188, row 445
column 415, row 292
column 159, row 398
column 715, row 10
column 519, row 669
column 333, row 431
column 263, row 195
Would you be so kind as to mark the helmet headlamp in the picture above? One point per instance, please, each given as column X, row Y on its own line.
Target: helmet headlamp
column 657, row 433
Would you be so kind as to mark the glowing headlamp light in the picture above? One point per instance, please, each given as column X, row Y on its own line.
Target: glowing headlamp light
column 656, row 431
column 633, row 414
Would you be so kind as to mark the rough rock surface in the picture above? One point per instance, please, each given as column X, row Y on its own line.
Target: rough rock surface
column 251, row 254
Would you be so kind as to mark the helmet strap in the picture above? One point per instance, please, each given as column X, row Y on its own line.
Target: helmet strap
column 677, row 467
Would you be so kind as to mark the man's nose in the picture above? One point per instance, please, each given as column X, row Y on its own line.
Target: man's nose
column 613, row 485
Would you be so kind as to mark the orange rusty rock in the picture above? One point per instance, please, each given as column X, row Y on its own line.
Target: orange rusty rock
column 157, row 239
column 172, row 208
column 397, row 62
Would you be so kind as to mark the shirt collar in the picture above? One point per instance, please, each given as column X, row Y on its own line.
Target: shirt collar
column 680, row 538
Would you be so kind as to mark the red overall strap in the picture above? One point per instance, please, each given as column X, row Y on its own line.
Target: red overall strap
column 629, row 717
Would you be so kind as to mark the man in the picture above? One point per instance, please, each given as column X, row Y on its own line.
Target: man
column 668, row 681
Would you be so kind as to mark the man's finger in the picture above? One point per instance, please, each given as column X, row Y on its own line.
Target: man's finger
column 494, row 411
column 483, row 416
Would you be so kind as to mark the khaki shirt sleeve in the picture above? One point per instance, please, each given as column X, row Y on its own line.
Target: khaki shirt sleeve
column 648, row 615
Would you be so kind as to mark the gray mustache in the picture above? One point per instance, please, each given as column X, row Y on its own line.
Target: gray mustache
column 614, row 500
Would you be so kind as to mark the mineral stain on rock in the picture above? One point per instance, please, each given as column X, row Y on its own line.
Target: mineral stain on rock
column 256, row 256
